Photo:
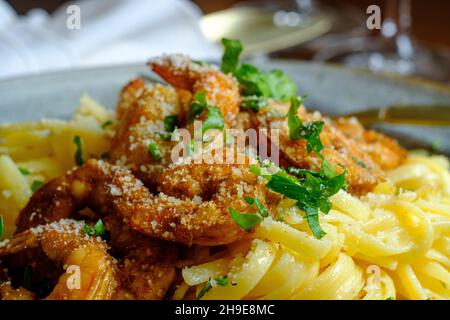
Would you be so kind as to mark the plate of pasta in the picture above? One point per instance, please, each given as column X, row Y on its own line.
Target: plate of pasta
column 219, row 182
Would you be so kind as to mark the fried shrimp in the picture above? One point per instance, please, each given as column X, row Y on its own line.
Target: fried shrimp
column 192, row 77
column 385, row 151
column 110, row 189
column 215, row 188
column 146, row 266
column 65, row 244
column 142, row 142
column 363, row 173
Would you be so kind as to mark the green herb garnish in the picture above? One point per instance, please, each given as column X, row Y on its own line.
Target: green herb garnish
column 98, row 230
column 36, row 185
column 79, row 152
column 309, row 131
column 254, row 201
column 311, row 190
column 213, row 120
column 199, row 62
column 254, row 103
column 170, row 123
column 327, row 170
column 274, row 84
column 436, row 145
column 245, row 220
column 154, row 151
column 359, row 162
column 106, row 124
column 164, row 136
column 204, row 290
column 248, row 221
column 24, row 171
column 198, row 105
column 221, row 281
column 230, row 59
column 254, row 82
column 1, row 226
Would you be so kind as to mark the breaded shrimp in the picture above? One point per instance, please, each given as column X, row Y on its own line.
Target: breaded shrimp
column 140, row 114
column 66, row 245
column 192, row 77
column 146, row 267
column 363, row 173
column 385, row 151
column 109, row 189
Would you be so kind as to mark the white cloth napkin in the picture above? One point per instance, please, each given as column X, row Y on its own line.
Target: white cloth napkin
column 112, row 32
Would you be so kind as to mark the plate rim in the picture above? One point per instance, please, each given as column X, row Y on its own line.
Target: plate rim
column 407, row 80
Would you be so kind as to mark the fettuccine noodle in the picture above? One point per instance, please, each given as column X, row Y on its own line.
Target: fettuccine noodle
column 393, row 243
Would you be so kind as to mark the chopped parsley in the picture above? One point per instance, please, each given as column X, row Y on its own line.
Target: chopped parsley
column 390, row 298
column 204, row 290
column 315, row 187
column 230, row 59
column 106, row 124
column 274, row 84
column 24, row 171
column 247, row 221
column 164, row 136
column 258, row 204
column 1, row 226
column 170, row 123
column 98, row 230
column 436, row 145
column 254, row 82
column 254, row 103
column 310, row 189
column 36, row 185
column 154, row 151
column 213, row 120
column 327, row 169
column 298, row 130
column 359, row 162
column 221, row 281
column 198, row 105
column 79, row 152
column 311, row 133
column 199, row 62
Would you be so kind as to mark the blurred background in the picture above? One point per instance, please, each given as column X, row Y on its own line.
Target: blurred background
column 413, row 38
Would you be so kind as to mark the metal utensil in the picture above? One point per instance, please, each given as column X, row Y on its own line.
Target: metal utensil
column 429, row 115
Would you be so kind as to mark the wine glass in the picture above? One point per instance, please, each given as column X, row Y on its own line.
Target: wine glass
column 393, row 50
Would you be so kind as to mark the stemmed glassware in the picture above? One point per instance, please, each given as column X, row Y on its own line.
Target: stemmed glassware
column 392, row 50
